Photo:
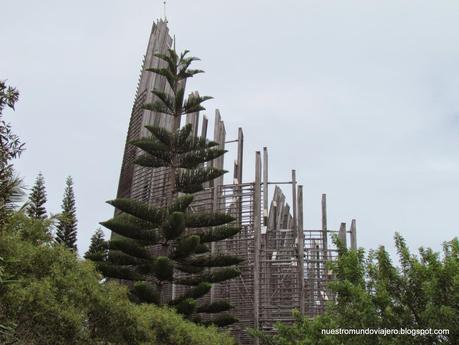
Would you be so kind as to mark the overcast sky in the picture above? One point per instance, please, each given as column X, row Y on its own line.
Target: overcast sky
column 360, row 97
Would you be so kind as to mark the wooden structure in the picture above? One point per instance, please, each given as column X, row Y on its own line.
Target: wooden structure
column 284, row 267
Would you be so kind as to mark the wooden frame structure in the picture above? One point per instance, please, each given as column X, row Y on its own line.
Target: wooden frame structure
column 285, row 264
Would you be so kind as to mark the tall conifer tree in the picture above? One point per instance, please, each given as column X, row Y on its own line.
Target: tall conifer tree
column 37, row 199
column 97, row 249
column 66, row 233
column 155, row 246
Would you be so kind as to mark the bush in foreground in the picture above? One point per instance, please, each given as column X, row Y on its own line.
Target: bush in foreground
column 53, row 298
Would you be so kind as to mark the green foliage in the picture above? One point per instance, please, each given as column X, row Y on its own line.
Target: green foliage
column 218, row 233
column 215, row 276
column 421, row 293
column 11, row 191
column 186, row 246
column 221, row 321
column 215, row 307
column 156, row 246
column 139, row 210
column 132, row 227
column 204, row 220
column 66, row 233
column 55, row 299
column 37, row 199
column 174, row 226
column 97, row 249
column 216, row 260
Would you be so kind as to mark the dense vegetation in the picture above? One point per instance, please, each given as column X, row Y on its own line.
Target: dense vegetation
column 50, row 297
column 371, row 292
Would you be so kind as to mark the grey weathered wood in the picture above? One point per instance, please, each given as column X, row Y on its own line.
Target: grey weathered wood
column 219, row 137
column 257, row 238
column 193, row 118
column 353, row 234
column 294, row 202
column 240, row 153
column 300, row 250
column 324, row 226
column 265, row 186
column 342, row 235
column 204, row 125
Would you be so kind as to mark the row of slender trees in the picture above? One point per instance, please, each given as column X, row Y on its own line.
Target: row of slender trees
column 66, row 227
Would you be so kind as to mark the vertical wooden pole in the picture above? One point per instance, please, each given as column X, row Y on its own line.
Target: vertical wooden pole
column 353, row 234
column 300, row 249
column 324, row 227
column 240, row 153
column 294, row 201
column 257, row 235
column 215, row 208
column 205, row 122
column 265, row 186
column 342, row 235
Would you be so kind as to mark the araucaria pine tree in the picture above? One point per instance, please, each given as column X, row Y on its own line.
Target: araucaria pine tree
column 158, row 247
column 97, row 249
column 66, row 233
column 37, row 199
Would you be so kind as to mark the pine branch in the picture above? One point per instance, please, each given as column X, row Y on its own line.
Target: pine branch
column 119, row 258
column 132, row 227
column 139, row 209
column 216, row 276
column 189, row 180
column 162, row 135
column 147, row 160
column 192, row 160
column 129, row 247
column 218, row 234
column 222, row 321
column 181, row 203
column 118, row 272
column 218, row 260
column 185, row 247
column 200, row 220
column 215, row 307
column 174, row 226
column 144, row 293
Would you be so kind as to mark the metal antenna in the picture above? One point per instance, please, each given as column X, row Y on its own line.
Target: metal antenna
column 165, row 17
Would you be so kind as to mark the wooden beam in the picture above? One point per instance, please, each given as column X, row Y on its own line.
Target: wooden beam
column 265, row 186
column 205, row 123
column 324, row 226
column 240, row 153
column 257, row 238
column 342, row 235
column 353, row 234
column 300, row 250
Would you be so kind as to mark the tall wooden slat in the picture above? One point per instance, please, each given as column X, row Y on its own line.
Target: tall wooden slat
column 265, row 186
column 353, row 234
column 240, row 153
column 205, row 123
column 300, row 250
column 257, row 238
column 342, row 234
column 324, row 226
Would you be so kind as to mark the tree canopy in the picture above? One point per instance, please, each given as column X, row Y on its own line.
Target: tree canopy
column 50, row 297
